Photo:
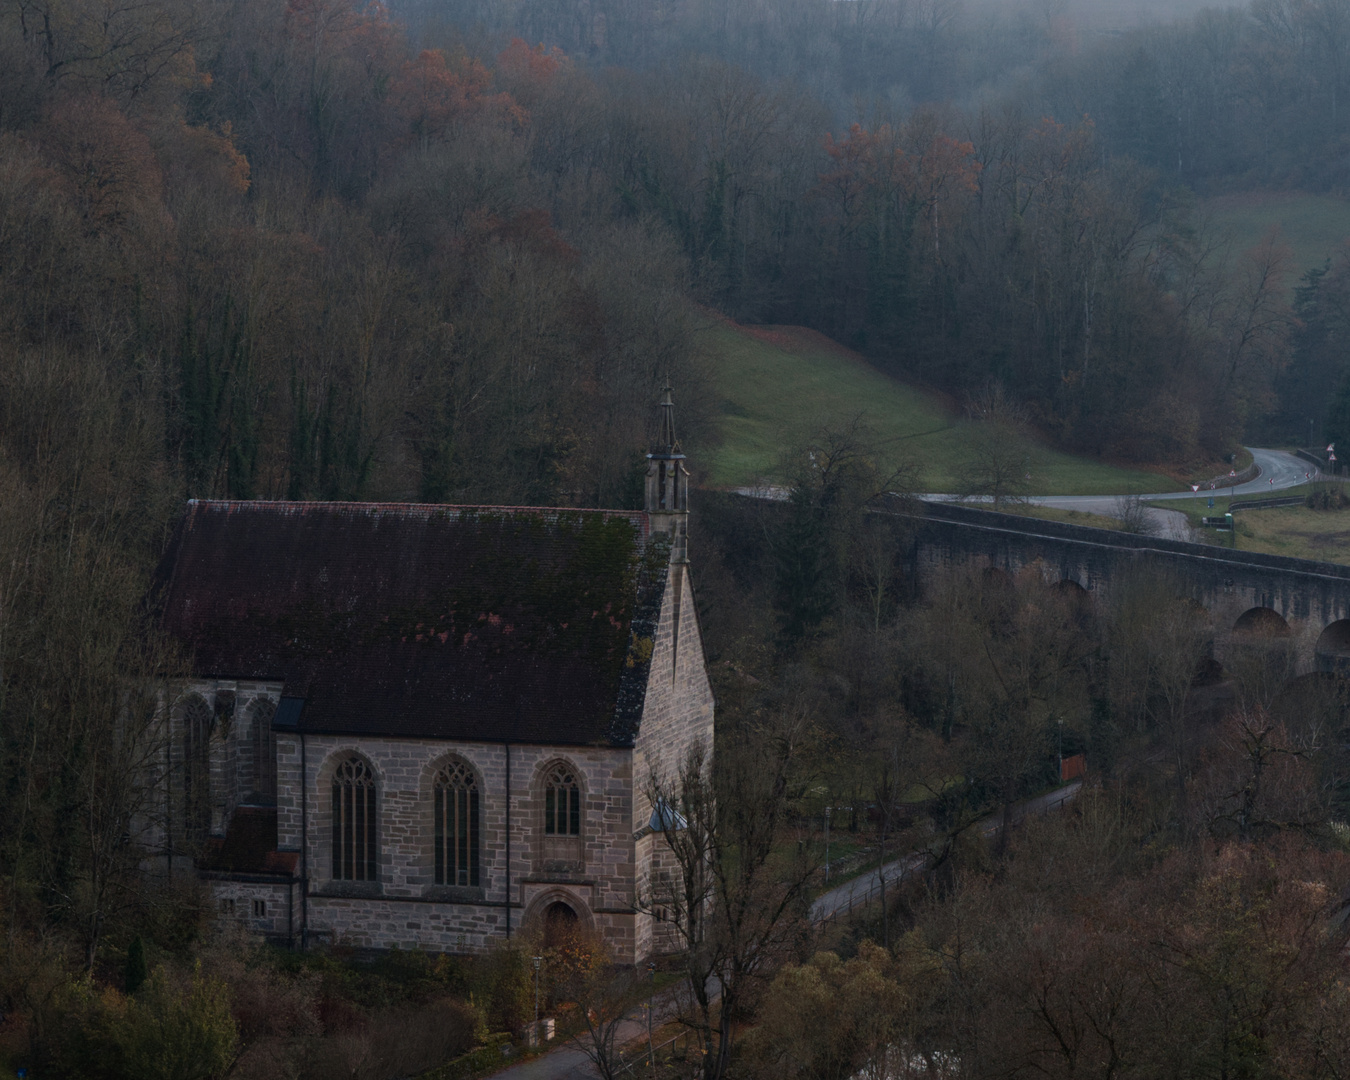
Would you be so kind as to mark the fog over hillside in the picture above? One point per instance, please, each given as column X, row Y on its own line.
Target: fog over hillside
column 449, row 252
column 901, row 52
column 1084, row 18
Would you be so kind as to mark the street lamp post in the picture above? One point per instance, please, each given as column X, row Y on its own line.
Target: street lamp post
column 651, row 992
column 537, row 961
column 827, row 845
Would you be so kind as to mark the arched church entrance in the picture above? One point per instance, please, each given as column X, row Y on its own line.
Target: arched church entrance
column 557, row 916
column 560, row 924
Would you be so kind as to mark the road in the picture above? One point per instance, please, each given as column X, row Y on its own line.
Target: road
column 564, row 1063
column 1277, row 471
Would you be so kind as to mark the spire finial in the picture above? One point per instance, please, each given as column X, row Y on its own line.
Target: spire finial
column 666, row 442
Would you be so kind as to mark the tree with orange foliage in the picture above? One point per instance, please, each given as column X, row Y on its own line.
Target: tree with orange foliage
column 937, row 169
column 431, row 97
column 537, row 65
column 604, row 995
column 918, row 164
column 106, row 164
column 196, row 156
column 883, row 185
column 854, row 177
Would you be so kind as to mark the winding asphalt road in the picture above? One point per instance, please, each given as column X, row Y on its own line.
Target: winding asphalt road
column 1277, row 470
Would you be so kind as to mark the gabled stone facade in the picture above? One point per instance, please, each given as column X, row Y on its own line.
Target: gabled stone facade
column 627, row 695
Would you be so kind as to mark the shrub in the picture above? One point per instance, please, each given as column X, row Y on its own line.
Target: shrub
column 78, row 1029
column 268, row 1003
column 503, row 985
column 176, row 1028
column 1327, row 497
column 401, row 1041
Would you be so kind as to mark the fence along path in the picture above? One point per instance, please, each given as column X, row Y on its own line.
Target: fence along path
column 863, row 889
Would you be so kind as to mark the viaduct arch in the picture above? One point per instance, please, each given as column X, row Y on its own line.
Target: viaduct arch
column 1252, row 597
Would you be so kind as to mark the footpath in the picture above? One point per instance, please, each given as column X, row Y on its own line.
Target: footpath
column 568, row 1062
column 865, row 888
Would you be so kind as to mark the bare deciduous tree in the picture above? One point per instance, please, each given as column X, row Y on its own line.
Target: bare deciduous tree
column 1133, row 515
column 606, row 996
column 734, row 888
column 997, row 465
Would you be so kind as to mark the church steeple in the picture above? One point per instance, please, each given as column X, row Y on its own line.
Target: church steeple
column 667, row 501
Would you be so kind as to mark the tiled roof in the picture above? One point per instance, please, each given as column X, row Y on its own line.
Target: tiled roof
column 468, row 623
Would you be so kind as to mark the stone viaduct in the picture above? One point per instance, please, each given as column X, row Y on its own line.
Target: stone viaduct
column 1244, row 592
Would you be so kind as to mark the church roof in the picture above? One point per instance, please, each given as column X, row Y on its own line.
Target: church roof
column 467, row 623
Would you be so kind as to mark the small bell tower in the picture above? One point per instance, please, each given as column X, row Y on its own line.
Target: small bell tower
column 667, row 501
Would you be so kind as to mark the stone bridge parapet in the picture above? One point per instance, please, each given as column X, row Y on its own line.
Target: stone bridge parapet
column 1311, row 598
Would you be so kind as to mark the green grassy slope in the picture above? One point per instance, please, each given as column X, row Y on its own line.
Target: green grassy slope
column 778, row 386
column 1314, row 226
column 1297, row 531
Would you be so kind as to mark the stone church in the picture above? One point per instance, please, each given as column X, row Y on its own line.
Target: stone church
column 429, row 726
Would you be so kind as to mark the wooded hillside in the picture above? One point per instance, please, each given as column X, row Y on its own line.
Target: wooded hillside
column 324, row 249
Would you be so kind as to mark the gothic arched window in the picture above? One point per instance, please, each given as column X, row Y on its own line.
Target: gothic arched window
column 196, row 770
column 562, row 802
column 264, row 751
column 456, row 825
column 355, row 848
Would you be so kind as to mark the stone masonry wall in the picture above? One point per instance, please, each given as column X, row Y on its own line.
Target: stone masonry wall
column 1309, row 596
column 405, row 907
column 678, row 712
column 269, row 908
column 231, row 762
